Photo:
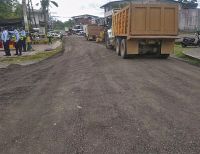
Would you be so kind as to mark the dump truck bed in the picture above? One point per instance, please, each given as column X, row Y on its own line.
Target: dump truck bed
column 93, row 30
column 138, row 20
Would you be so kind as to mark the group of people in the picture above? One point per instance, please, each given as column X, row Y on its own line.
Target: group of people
column 20, row 39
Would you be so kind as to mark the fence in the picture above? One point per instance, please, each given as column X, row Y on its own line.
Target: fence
column 189, row 20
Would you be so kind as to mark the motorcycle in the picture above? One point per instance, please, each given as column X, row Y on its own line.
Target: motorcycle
column 189, row 41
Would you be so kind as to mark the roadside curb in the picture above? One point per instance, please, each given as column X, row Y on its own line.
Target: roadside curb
column 183, row 60
column 187, row 53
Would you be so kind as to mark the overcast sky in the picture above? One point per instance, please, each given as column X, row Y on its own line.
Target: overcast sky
column 69, row 8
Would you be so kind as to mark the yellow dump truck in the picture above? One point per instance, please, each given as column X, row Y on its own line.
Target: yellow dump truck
column 92, row 31
column 149, row 29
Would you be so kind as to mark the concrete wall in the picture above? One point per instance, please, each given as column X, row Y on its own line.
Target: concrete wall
column 39, row 16
column 189, row 19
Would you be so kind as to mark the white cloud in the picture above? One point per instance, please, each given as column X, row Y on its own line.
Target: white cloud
column 69, row 8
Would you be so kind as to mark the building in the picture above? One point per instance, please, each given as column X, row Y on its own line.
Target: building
column 100, row 21
column 12, row 23
column 189, row 19
column 116, row 5
column 37, row 20
column 111, row 6
column 85, row 19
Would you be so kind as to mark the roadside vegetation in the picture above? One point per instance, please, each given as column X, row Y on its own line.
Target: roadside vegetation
column 10, row 9
column 178, row 52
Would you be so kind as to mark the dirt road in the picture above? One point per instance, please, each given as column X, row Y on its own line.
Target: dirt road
column 88, row 100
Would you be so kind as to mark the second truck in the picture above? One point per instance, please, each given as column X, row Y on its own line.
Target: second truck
column 149, row 29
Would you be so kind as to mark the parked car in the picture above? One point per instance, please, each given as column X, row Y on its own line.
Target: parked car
column 81, row 33
column 55, row 35
column 191, row 41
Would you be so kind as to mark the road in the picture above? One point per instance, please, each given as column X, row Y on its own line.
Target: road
column 88, row 100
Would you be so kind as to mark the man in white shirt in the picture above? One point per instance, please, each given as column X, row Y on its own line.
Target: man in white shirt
column 6, row 40
column 18, row 43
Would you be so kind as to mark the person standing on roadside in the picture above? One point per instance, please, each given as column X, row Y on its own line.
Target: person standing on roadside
column 6, row 40
column 23, row 38
column 29, row 40
column 18, row 43
column 61, row 36
column 49, row 36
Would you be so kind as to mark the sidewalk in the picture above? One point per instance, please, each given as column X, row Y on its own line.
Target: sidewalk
column 193, row 52
column 37, row 48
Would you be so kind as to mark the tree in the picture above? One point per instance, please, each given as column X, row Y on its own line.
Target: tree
column 10, row 9
column 188, row 4
column 70, row 23
column 18, row 10
column 45, row 5
column 58, row 25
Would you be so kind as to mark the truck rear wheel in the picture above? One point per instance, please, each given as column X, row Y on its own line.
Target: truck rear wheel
column 108, row 46
column 118, row 44
column 123, row 48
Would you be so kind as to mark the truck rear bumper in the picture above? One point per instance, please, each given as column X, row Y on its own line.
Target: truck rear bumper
column 166, row 46
column 152, row 37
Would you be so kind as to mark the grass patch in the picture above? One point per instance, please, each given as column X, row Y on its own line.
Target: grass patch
column 32, row 58
column 44, row 41
column 178, row 52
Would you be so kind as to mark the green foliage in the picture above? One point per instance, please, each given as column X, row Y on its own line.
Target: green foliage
column 189, row 4
column 45, row 5
column 70, row 23
column 18, row 10
column 178, row 52
column 10, row 9
column 59, row 25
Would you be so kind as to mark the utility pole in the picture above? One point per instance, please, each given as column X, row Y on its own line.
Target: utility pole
column 33, row 13
column 25, row 15
column 29, row 14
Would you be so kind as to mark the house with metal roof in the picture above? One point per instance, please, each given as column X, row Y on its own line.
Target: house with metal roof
column 189, row 19
column 85, row 19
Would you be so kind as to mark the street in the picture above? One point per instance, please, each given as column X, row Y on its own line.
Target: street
column 89, row 100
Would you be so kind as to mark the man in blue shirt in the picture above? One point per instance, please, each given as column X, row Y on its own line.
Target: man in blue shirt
column 6, row 40
column 23, row 38
column 18, row 43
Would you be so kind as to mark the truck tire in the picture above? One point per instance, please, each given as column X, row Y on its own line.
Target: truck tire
column 118, row 44
column 108, row 46
column 198, row 43
column 123, row 49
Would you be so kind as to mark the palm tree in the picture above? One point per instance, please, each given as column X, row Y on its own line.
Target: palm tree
column 45, row 5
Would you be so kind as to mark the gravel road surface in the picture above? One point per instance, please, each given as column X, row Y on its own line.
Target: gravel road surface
column 88, row 100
